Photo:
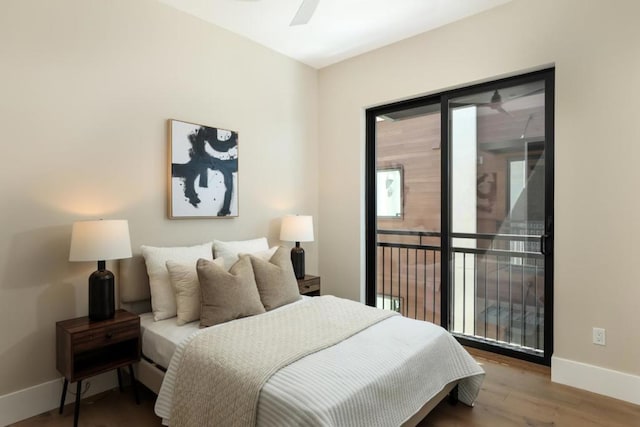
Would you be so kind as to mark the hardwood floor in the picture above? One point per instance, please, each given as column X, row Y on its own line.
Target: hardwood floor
column 514, row 393
column 109, row 409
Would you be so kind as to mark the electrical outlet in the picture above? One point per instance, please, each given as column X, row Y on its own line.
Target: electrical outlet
column 599, row 336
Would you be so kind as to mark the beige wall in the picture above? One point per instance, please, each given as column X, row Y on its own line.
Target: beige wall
column 86, row 88
column 594, row 46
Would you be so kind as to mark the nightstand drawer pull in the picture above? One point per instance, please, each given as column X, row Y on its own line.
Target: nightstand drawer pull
column 109, row 335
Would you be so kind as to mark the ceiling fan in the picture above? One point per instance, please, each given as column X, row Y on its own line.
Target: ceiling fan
column 304, row 13
column 497, row 102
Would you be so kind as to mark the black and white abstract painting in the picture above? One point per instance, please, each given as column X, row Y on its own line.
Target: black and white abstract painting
column 203, row 171
column 389, row 188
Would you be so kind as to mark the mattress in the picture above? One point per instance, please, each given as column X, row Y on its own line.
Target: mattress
column 160, row 339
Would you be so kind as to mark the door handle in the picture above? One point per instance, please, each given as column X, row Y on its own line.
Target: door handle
column 544, row 239
column 543, row 244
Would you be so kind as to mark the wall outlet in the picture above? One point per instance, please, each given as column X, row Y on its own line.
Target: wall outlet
column 599, row 336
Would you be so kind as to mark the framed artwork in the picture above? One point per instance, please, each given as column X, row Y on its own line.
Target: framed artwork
column 203, row 171
column 389, row 187
column 487, row 194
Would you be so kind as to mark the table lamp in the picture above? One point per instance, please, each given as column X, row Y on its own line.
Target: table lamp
column 297, row 228
column 100, row 241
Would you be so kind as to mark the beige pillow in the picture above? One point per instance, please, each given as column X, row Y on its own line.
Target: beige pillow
column 227, row 295
column 163, row 298
column 276, row 280
column 184, row 280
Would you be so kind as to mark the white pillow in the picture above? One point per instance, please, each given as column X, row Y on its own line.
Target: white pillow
column 263, row 255
column 230, row 250
column 163, row 299
column 184, row 280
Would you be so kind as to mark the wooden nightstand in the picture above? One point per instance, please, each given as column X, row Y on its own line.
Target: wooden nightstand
column 85, row 348
column 309, row 285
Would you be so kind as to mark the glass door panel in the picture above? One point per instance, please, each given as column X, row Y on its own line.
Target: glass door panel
column 497, row 193
column 408, row 183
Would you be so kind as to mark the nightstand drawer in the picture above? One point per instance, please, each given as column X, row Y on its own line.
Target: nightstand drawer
column 97, row 338
column 309, row 285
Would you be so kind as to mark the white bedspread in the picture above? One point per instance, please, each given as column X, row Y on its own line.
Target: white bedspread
column 379, row 377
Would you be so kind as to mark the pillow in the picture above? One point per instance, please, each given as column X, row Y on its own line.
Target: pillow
column 184, row 280
column 276, row 281
column 227, row 295
column 263, row 255
column 163, row 300
column 230, row 250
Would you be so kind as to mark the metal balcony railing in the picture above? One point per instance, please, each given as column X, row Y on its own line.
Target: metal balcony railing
column 497, row 283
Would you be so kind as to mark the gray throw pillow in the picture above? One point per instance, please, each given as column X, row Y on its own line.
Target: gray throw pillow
column 227, row 295
column 276, row 280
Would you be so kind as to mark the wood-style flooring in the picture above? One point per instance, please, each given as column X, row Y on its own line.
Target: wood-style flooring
column 514, row 393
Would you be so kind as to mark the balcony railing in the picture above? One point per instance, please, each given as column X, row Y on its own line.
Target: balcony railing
column 409, row 273
column 497, row 283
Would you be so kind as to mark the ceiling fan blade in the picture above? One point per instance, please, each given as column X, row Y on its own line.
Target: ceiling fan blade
column 305, row 12
column 502, row 110
column 533, row 92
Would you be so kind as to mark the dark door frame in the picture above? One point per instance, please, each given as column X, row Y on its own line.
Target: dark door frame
column 548, row 76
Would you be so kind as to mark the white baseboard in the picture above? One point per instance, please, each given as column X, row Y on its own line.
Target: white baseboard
column 44, row 397
column 618, row 385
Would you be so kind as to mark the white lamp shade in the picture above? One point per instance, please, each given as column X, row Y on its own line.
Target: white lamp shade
column 100, row 240
column 297, row 228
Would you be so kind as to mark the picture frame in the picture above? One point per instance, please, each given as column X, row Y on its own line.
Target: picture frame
column 487, row 195
column 202, row 171
column 390, row 192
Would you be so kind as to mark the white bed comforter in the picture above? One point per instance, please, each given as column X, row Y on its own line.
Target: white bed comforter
column 378, row 377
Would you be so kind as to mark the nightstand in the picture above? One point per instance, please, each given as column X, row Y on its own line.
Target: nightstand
column 309, row 285
column 86, row 348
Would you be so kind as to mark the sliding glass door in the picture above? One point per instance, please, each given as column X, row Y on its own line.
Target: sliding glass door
column 460, row 212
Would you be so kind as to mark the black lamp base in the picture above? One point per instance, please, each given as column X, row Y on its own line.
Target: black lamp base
column 297, row 259
column 101, row 295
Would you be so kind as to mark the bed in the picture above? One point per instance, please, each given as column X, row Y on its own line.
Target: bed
column 355, row 382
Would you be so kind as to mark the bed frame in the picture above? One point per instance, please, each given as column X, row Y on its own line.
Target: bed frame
column 135, row 296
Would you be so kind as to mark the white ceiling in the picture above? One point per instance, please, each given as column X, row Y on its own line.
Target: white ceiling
column 338, row 30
